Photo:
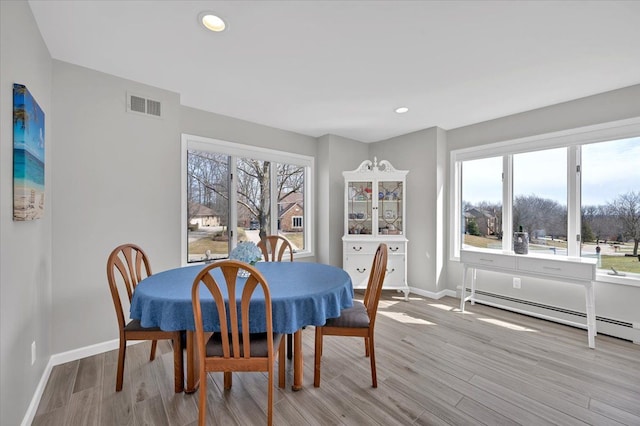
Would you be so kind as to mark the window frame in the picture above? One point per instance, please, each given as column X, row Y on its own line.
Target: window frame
column 571, row 139
column 233, row 149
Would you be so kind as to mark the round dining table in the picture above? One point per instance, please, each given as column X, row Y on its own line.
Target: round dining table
column 302, row 294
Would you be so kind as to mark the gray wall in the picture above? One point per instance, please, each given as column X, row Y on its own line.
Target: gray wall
column 25, row 247
column 602, row 108
column 335, row 155
column 418, row 152
column 116, row 180
column 202, row 123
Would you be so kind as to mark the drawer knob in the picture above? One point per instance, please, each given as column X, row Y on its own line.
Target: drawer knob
column 486, row 260
column 394, row 248
column 357, row 248
column 390, row 270
column 361, row 270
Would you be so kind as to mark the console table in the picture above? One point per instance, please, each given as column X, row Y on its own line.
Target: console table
column 581, row 271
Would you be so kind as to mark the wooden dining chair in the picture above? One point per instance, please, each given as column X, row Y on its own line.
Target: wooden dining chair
column 127, row 265
column 359, row 320
column 230, row 349
column 274, row 248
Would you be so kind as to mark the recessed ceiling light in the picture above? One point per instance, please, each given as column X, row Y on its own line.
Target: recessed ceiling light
column 401, row 110
column 211, row 21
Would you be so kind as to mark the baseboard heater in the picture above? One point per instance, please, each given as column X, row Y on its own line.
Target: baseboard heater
column 599, row 319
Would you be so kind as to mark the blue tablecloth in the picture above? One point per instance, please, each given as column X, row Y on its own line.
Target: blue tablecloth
column 302, row 294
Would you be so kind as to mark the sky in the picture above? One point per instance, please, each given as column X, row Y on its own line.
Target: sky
column 608, row 169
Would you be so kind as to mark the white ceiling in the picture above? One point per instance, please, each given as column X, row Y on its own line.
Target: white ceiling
column 341, row 67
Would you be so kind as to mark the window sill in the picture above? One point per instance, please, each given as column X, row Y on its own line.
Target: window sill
column 629, row 279
column 302, row 254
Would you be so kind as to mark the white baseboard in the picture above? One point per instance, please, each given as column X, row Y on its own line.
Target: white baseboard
column 433, row 295
column 35, row 400
column 86, row 351
column 61, row 358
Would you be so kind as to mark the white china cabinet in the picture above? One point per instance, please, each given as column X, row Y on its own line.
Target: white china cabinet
column 374, row 213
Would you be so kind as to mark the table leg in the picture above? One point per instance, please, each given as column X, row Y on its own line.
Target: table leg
column 297, row 361
column 472, row 298
column 463, row 291
column 591, row 314
column 192, row 383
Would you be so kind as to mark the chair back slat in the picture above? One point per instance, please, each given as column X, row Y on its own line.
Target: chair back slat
column 274, row 247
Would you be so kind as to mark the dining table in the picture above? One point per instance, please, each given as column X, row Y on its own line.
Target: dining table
column 302, row 294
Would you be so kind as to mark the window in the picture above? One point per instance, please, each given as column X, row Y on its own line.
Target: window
column 540, row 199
column 239, row 193
column 576, row 193
column 611, row 204
column 482, row 202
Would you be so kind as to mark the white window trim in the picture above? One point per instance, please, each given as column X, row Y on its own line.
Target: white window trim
column 189, row 142
column 567, row 138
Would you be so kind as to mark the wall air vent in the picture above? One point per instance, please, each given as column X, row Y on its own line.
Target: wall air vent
column 141, row 105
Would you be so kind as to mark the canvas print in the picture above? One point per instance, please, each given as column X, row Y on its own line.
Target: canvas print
column 28, row 156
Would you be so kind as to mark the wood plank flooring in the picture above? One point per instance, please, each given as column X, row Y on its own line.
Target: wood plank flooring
column 436, row 366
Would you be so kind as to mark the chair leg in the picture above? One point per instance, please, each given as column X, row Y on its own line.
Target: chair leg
column 281, row 364
column 289, row 346
column 366, row 346
column 318, row 356
column 202, row 400
column 178, row 363
column 154, row 344
column 121, row 355
column 372, row 357
column 270, row 396
column 228, row 381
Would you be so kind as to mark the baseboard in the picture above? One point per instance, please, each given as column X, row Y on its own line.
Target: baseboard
column 606, row 326
column 61, row 358
column 35, row 400
column 86, row 351
column 433, row 295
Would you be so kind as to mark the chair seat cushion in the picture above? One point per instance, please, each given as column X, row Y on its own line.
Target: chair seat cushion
column 353, row 317
column 134, row 325
column 258, row 344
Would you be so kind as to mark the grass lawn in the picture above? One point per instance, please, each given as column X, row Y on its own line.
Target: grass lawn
column 295, row 238
column 199, row 246
column 621, row 263
column 206, row 243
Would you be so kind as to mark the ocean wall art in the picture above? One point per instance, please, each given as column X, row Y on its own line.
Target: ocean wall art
column 28, row 156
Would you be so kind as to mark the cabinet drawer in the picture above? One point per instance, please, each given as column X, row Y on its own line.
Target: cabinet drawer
column 558, row 268
column 489, row 260
column 395, row 248
column 358, row 268
column 395, row 272
column 360, row 247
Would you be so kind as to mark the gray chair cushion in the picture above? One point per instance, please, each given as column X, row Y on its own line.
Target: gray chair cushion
column 354, row 317
column 258, row 344
column 134, row 325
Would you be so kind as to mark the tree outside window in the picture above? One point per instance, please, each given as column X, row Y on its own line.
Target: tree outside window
column 211, row 181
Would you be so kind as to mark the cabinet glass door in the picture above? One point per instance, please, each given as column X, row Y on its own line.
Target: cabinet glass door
column 390, row 208
column 359, row 207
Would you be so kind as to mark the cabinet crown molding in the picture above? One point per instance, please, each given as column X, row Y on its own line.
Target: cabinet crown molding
column 367, row 166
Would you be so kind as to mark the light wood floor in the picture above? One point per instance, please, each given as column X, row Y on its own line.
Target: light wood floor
column 436, row 366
